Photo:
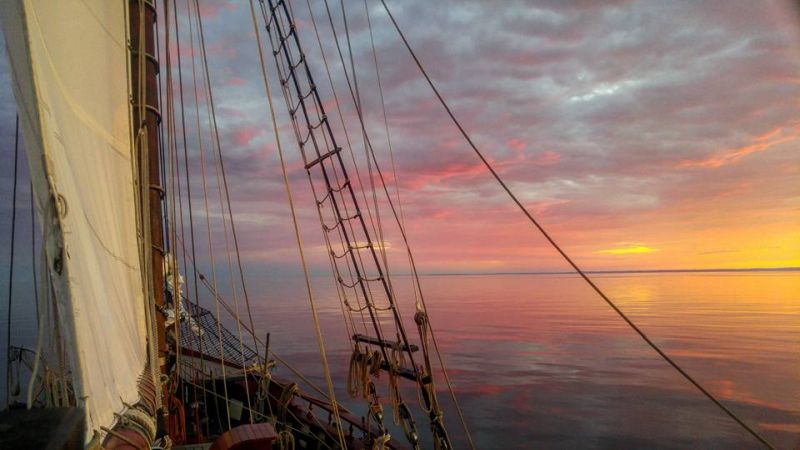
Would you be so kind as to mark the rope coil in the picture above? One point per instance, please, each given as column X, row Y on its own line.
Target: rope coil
column 285, row 440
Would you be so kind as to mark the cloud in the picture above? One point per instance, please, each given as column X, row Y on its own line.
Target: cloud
column 605, row 117
column 244, row 136
column 758, row 144
column 236, row 81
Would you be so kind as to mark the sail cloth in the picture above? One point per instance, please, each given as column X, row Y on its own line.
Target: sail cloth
column 70, row 72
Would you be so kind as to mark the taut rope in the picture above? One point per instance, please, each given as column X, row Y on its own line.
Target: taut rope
column 566, row 257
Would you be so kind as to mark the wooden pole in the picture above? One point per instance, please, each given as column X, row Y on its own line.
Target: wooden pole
column 151, row 121
column 146, row 126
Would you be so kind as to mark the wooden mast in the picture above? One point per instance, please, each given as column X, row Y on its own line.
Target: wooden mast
column 146, row 139
column 150, row 122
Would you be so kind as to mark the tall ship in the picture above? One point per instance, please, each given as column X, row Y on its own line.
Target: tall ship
column 126, row 347
column 137, row 347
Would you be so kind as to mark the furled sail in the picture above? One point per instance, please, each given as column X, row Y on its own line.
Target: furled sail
column 69, row 60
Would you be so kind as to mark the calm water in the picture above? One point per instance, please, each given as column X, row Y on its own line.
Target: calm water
column 538, row 361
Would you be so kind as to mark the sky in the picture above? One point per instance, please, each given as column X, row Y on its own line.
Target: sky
column 641, row 134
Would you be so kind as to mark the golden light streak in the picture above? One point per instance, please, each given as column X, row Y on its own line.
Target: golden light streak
column 629, row 249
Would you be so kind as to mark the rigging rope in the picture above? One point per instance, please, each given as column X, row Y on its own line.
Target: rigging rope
column 365, row 287
column 11, row 259
column 390, row 147
column 36, row 302
column 33, row 251
column 229, row 309
column 329, row 139
column 356, row 261
column 352, row 157
column 141, row 177
column 298, row 239
column 368, row 150
column 220, row 167
column 347, row 312
column 172, row 185
column 263, row 416
column 405, row 238
column 362, row 280
column 397, row 360
column 45, row 286
column 205, row 202
column 185, row 152
column 552, row 242
column 385, row 280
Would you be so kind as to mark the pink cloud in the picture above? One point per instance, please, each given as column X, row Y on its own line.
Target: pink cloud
column 547, row 158
column 245, row 135
column 222, row 49
column 212, row 10
column 542, row 207
column 329, row 105
column 439, row 174
column 236, row 81
column 516, row 144
column 609, row 169
column 729, row 156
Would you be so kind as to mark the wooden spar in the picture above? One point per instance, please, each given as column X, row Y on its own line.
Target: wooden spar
column 124, row 437
column 151, row 122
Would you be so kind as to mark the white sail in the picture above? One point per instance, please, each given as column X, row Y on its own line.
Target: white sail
column 69, row 63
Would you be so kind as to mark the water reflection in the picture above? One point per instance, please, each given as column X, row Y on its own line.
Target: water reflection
column 539, row 361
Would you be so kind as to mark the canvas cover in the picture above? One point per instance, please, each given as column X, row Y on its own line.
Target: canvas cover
column 70, row 75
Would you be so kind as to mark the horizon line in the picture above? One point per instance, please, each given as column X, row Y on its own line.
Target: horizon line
column 619, row 271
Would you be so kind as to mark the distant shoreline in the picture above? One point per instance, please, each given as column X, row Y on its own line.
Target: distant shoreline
column 621, row 272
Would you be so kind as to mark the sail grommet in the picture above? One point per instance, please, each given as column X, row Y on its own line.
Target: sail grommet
column 61, row 206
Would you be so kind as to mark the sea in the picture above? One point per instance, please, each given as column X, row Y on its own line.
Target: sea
column 540, row 361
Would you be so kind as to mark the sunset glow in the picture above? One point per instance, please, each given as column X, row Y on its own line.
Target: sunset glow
column 642, row 135
column 401, row 223
column 628, row 250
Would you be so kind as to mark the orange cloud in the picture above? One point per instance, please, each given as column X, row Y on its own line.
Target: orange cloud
column 759, row 144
